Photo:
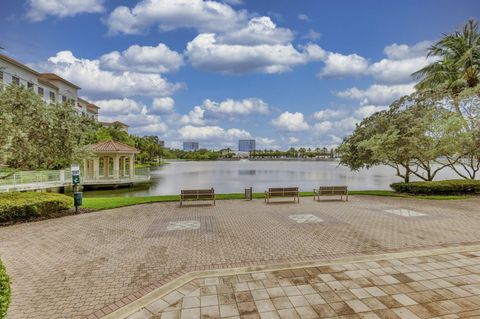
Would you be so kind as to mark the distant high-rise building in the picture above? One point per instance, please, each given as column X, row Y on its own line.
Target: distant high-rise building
column 246, row 145
column 161, row 143
column 190, row 146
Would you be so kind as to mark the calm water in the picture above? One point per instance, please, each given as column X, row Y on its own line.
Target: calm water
column 234, row 176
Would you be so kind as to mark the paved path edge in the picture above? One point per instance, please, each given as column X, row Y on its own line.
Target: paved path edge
column 159, row 292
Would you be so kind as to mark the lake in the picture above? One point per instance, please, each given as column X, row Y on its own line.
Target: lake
column 235, row 176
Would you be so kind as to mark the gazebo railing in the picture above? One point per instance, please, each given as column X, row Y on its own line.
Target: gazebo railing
column 140, row 174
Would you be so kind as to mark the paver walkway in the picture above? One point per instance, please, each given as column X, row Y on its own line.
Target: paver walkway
column 436, row 286
column 75, row 266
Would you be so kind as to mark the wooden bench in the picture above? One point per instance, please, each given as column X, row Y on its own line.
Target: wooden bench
column 282, row 192
column 331, row 191
column 197, row 195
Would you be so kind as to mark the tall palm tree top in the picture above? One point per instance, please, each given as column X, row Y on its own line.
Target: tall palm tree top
column 457, row 61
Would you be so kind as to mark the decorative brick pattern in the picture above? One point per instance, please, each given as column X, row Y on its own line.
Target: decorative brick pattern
column 447, row 285
column 90, row 264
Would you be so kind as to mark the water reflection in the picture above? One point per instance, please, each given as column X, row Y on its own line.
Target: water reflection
column 247, row 172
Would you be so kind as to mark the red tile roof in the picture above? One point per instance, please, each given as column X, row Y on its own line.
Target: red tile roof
column 113, row 146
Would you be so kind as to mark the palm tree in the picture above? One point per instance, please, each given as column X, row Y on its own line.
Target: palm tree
column 458, row 64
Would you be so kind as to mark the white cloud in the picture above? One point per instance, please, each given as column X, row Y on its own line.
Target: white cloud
column 291, row 122
column 205, row 16
column 231, row 107
column 233, row 2
column 134, row 114
column 38, row 10
column 402, row 60
column 341, row 127
column 194, row 117
column 293, row 140
column 259, row 30
column 323, row 126
column 303, row 17
column 265, row 142
column 397, row 71
column 98, row 82
column 236, row 133
column 119, row 106
column 377, row 94
column 312, row 35
column 162, row 105
column 367, row 110
column 151, row 129
column 327, row 114
column 404, row 51
column 211, row 133
column 339, row 65
column 145, row 59
column 206, row 53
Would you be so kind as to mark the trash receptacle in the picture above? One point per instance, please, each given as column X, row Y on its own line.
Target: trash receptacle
column 248, row 193
column 77, row 199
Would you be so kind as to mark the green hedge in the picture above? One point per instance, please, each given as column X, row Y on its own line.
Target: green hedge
column 4, row 292
column 447, row 187
column 23, row 206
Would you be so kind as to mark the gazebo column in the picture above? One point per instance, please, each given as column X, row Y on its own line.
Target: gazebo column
column 116, row 166
column 96, row 167
column 85, row 169
column 106, row 166
column 132, row 165
column 121, row 166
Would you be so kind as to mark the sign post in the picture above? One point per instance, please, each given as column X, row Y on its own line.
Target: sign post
column 77, row 196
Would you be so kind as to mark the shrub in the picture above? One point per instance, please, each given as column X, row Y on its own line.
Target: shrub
column 23, row 206
column 446, row 187
column 4, row 292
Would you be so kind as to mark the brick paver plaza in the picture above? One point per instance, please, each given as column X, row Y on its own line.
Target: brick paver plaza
column 90, row 265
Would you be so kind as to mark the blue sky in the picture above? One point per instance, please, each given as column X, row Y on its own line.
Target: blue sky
column 288, row 73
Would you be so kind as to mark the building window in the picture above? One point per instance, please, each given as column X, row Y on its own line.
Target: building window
column 15, row 80
column 1, row 77
column 52, row 96
column 30, row 86
column 40, row 91
column 64, row 98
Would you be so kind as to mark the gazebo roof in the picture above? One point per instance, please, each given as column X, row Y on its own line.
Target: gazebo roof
column 113, row 147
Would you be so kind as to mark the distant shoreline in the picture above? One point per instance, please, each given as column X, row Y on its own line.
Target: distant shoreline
column 260, row 160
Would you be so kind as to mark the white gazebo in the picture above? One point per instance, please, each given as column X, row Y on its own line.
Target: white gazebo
column 112, row 163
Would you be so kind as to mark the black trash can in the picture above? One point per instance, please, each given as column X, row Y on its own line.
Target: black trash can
column 248, row 193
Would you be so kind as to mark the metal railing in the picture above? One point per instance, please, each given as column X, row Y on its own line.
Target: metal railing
column 28, row 180
column 35, row 177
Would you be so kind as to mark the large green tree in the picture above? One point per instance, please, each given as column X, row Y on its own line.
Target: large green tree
column 35, row 134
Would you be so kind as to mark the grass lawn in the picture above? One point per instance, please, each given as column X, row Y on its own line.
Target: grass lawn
column 99, row 203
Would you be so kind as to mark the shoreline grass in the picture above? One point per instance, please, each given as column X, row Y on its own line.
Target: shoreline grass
column 101, row 203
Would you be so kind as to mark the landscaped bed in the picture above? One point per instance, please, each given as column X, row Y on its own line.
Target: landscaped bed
column 16, row 206
column 446, row 187
column 4, row 291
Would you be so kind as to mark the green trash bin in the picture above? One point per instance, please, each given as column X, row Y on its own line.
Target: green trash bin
column 77, row 199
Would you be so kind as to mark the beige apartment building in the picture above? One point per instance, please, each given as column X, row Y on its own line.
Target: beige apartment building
column 51, row 87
